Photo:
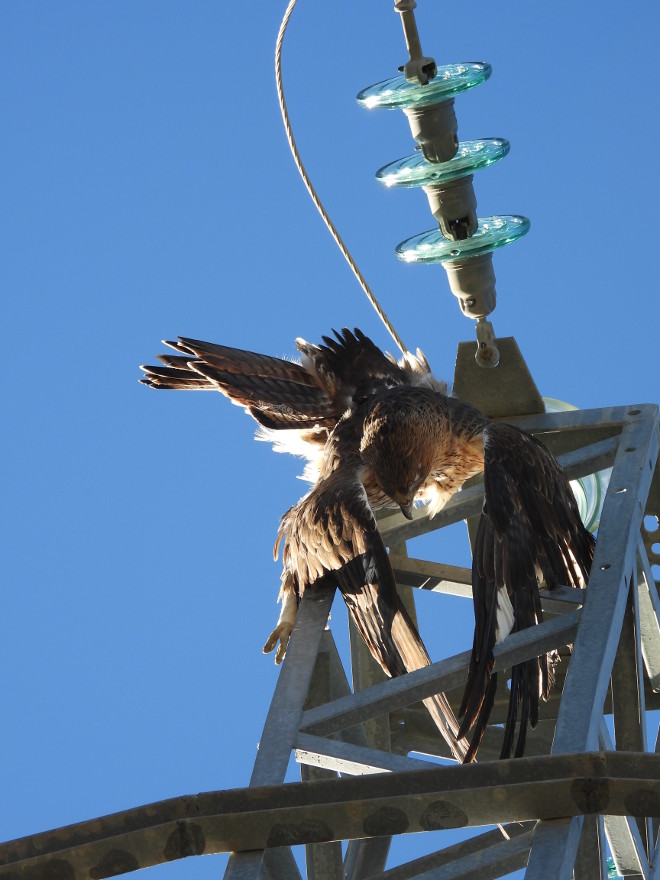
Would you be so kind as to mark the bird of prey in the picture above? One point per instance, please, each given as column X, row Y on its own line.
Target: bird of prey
column 380, row 433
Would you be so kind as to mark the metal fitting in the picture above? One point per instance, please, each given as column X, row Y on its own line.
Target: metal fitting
column 473, row 281
column 420, row 68
column 454, row 206
column 488, row 355
column 435, row 128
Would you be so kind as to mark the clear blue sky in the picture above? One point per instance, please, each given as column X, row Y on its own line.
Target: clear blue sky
column 148, row 191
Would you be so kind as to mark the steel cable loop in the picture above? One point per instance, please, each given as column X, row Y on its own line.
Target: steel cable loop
column 310, row 188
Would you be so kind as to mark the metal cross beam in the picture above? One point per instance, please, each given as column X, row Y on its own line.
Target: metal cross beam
column 248, row 819
column 612, row 575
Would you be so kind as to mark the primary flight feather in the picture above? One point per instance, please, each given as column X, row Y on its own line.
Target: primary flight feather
column 381, row 433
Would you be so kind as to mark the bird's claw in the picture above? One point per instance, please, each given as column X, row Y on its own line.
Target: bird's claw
column 281, row 633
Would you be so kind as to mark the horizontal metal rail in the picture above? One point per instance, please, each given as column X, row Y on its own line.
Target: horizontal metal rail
column 552, row 787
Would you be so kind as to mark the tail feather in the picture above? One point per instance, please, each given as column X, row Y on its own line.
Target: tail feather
column 398, row 648
column 529, row 684
column 415, row 656
column 481, row 721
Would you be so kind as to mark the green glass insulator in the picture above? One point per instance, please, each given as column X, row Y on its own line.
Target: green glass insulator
column 416, row 171
column 589, row 491
column 433, row 247
column 450, row 80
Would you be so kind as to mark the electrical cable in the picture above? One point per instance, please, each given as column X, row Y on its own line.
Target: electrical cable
column 310, row 189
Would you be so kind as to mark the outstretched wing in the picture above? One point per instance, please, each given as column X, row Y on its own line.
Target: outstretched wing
column 530, row 531
column 333, row 377
column 332, row 532
column 351, row 367
column 276, row 392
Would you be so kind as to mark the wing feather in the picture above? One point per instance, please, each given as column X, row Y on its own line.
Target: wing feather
column 332, row 531
column 356, row 558
column 279, row 394
column 335, row 376
column 530, row 527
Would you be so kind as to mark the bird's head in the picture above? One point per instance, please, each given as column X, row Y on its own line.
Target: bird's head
column 399, row 446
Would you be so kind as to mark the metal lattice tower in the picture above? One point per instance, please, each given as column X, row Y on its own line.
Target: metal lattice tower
column 577, row 788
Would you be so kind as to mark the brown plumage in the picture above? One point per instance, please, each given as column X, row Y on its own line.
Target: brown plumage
column 380, row 433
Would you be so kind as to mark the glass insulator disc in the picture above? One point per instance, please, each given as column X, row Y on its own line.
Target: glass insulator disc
column 433, row 247
column 449, row 81
column 416, row 171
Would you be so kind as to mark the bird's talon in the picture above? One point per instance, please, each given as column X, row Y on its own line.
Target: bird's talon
column 281, row 634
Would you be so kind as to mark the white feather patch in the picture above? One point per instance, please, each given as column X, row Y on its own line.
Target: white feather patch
column 291, row 440
column 505, row 616
column 418, row 367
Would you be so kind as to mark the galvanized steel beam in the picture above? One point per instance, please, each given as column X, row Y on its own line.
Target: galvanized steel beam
column 599, row 631
column 285, row 714
column 244, row 820
column 441, row 676
column 478, row 858
column 262, row 822
column 591, row 858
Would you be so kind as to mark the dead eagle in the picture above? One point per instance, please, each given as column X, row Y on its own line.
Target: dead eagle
column 377, row 433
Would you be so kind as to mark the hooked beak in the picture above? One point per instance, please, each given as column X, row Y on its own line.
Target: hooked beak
column 405, row 504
